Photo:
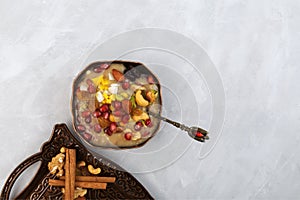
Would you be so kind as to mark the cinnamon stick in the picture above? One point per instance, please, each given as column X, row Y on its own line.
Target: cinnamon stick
column 72, row 158
column 82, row 184
column 68, row 178
column 92, row 179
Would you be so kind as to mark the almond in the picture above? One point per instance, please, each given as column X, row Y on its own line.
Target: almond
column 119, row 76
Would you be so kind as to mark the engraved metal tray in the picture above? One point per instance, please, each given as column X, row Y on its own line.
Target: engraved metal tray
column 125, row 187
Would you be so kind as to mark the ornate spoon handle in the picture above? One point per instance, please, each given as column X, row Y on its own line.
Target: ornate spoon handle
column 196, row 133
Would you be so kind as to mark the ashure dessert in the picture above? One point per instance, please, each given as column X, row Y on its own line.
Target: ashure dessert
column 112, row 102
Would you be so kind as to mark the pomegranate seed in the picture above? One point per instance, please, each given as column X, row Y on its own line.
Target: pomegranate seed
column 97, row 128
column 89, row 82
column 78, row 119
column 104, row 108
column 150, row 79
column 104, row 66
column 108, row 131
column 86, row 113
column 113, row 126
column 125, row 119
column 105, row 115
column 125, row 85
column 128, row 136
column 96, row 114
column 81, row 128
column 98, row 69
column 92, row 89
column 199, row 134
column 138, row 126
column 148, row 122
column 87, row 136
column 117, row 105
column 88, row 119
column 145, row 134
column 118, row 113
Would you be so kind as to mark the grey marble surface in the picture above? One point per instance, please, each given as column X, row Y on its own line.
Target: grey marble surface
column 254, row 46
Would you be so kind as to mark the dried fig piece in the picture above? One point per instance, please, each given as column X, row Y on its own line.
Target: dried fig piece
column 104, row 123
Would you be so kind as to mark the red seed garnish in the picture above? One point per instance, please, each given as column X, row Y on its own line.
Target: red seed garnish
column 88, row 119
column 87, row 136
column 113, row 126
column 81, row 128
column 104, row 66
column 89, row 82
column 117, row 105
column 108, row 131
column 105, row 115
column 104, row 108
column 125, row 119
column 92, row 89
column 78, row 119
column 98, row 69
column 138, row 126
column 86, row 113
column 128, row 136
column 145, row 134
column 97, row 128
column 96, row 114
column 118, row 113
column 199, row 134
column 148, row 122
column 125, row 85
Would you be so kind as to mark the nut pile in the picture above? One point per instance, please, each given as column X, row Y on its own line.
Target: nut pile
column 75, row 177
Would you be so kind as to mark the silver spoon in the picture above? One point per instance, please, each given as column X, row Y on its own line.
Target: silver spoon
column 196, row 133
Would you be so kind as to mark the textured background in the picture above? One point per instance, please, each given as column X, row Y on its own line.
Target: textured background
column 254, row 44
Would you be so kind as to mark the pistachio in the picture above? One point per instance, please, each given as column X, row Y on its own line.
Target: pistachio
column 119, row 97
column 125, row 95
